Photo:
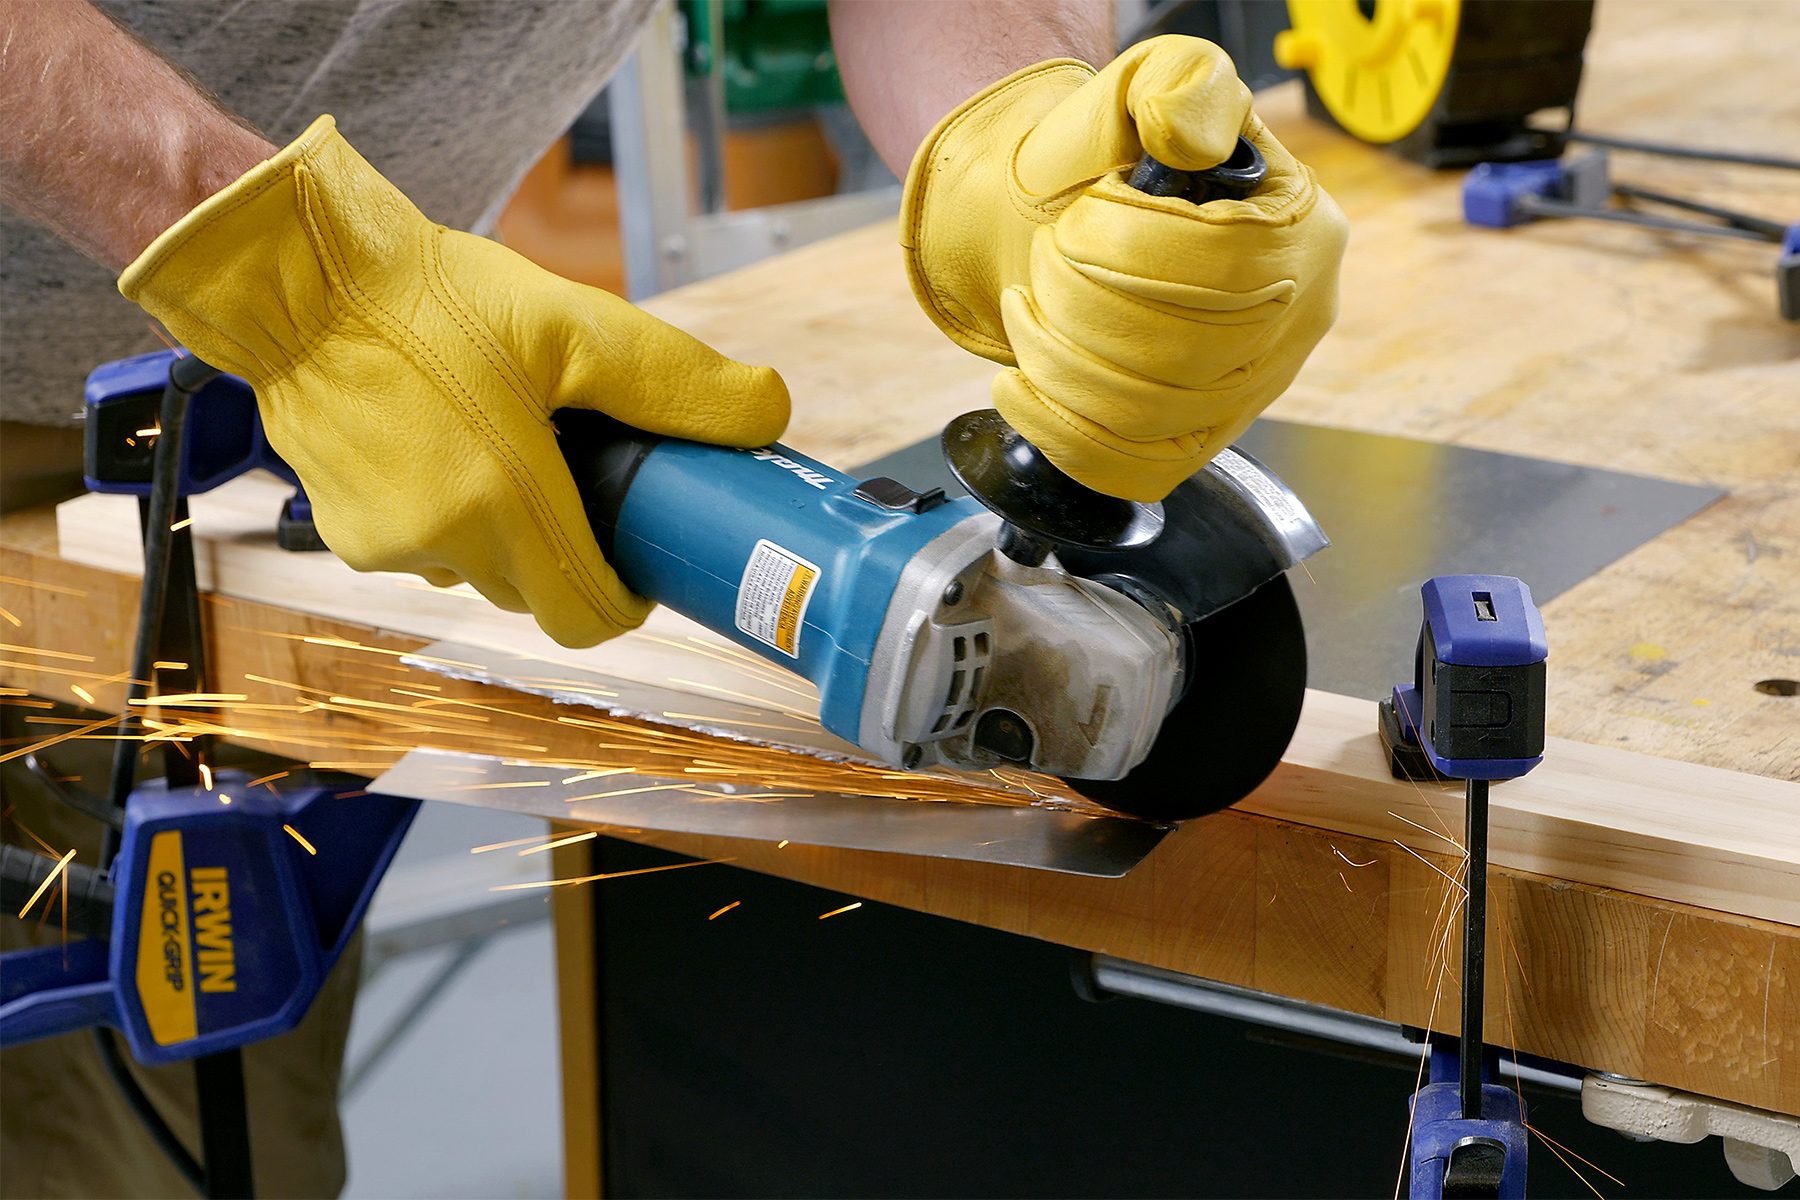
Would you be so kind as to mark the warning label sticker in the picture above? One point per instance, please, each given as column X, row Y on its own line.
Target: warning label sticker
column 771, row 604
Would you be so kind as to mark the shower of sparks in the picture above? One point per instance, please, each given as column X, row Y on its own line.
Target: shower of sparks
column 715, row 916
column 299, row 837
column 49, row 879
column 1453, row 881
column 839, row 911
column 1432, row 832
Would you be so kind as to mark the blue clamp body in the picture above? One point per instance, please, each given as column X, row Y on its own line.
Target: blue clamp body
column 1475, row 707
column 233, row 904
column 224, row 439
column 1452, row 1156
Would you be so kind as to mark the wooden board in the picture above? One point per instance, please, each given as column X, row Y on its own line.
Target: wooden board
column 1592, row 814
column 1606, row 978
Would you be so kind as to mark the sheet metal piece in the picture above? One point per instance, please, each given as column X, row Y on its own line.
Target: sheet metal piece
column 1041, row 838
column 1399, row 511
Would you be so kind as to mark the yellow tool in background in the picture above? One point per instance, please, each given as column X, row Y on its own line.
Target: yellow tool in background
column 1445, row 82
column 1378, row 74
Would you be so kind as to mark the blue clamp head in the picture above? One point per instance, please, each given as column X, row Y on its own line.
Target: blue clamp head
column 224, row 439
column 1475, row 707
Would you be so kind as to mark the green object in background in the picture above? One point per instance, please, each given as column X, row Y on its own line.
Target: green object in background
column 775, row 54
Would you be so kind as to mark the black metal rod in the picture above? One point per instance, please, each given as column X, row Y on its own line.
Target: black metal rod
column 1704, row 153
column 1561, row 208
column 224, row 1125
column 157, row 515
column 145, row 1108
column 187, row 375
column 1772, row 231
column 1474, row 973
column 183, row 640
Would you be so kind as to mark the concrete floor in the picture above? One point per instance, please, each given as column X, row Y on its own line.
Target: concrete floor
column 467, row 1103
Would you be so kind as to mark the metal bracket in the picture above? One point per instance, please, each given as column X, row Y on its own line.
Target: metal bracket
column 666, row 243
column 1762, row 1148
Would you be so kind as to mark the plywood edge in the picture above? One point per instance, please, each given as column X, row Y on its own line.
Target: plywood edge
column 1598, row 815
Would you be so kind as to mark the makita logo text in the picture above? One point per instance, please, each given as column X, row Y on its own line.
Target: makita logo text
column 213, row 956
column 805, row 473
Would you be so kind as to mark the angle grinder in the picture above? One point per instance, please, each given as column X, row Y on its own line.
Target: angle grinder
column 1150, row 655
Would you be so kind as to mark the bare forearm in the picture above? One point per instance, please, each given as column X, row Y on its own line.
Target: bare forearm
column 906, row 63
column 104, row 142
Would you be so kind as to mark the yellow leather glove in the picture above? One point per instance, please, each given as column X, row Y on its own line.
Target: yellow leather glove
column 1145, row 333
column 408, row 372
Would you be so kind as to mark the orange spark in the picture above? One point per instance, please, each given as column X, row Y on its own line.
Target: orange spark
column 725, row 910
column 48, row 880
column 546, row 883
column 536, row 837
column 63, row 654
column 207, row 699
column 589, row 836
column 847, row 908
column 82, row 692
column 46, row 587
column 296, row 835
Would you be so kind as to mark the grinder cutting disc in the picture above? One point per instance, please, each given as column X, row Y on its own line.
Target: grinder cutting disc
column 1248, row 678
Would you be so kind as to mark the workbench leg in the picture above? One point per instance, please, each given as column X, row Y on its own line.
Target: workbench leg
column 578, row 1017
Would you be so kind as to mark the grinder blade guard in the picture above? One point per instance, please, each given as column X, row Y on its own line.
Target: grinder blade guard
column 1209, row 562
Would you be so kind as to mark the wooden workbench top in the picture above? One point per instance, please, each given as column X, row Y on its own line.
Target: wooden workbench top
column 1589, row 343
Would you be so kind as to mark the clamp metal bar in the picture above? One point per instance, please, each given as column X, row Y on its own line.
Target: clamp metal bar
column 1543, row 207
column 1122, row 978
